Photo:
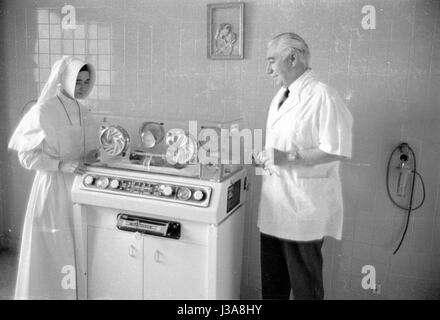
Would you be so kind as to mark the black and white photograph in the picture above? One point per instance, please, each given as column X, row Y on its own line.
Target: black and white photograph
column 220, row 155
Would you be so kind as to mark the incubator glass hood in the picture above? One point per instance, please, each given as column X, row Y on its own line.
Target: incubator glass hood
column 206, row 150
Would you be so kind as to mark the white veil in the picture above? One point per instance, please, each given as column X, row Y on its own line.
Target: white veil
column 64, row 73
column 51, row 87
column 30, row 132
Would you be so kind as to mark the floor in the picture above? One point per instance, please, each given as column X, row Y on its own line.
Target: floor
column 8, row 273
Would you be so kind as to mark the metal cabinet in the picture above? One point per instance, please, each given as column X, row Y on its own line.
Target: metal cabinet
column 114, row 264
column 174, row 269
column 125, row 265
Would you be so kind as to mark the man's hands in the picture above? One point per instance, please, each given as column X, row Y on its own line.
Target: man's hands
column 308, row 157
column 272, row 156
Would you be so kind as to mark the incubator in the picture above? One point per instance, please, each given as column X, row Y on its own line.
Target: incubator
column 206, row 150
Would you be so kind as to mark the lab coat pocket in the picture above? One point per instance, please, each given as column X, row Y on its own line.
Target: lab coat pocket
column 314, row 191
column 315, row 172
column 319, row 192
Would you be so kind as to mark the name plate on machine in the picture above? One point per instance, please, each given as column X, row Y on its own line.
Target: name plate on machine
column 156, row 227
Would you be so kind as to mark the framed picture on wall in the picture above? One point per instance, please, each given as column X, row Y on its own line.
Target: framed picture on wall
column 225, row 30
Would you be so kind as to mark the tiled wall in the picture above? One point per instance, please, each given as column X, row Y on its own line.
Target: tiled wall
column 151, row 60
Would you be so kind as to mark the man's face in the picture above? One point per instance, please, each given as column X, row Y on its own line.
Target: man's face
column 82, row 84
column 279, row 68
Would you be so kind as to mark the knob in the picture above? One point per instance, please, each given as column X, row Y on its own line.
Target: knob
column 198, row 195
column 114, row 184
column 103, row 183
column 183, row 193
column 167, row 191
column 88, row 180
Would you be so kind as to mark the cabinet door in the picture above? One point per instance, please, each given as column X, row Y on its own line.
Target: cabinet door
column 174, row 269
column 114, row 264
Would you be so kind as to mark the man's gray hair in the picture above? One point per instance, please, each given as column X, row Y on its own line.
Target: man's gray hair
column 289, row 43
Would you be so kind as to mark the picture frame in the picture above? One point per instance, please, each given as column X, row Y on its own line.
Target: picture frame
column 225, row 31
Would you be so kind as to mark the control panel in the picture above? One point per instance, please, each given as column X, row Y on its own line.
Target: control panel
column 188, row 194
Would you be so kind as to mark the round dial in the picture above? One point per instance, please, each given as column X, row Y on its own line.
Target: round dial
column 114, row 140
column 103, row 183
column 198, row 195
column 114, row 184
column 182, row 147
column 148, row 139
column 88, row 180
column 173, row 136
column 183, row 193
column 167, row 191
column 152, row 133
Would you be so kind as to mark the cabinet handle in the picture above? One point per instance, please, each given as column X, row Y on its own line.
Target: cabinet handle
column 157, row 256
column 132, row 251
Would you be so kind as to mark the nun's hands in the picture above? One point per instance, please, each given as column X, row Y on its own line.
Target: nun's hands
column 74, row 167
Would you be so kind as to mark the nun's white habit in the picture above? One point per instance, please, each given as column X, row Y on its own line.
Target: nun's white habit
column 50, row 132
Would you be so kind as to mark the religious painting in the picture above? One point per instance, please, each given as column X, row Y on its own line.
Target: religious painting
column 225, row 30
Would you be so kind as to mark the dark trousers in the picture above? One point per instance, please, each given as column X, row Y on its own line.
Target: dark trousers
column 291, row 265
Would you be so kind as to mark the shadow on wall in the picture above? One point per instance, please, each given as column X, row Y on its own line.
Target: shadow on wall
column 2, row 116
column 21, row 88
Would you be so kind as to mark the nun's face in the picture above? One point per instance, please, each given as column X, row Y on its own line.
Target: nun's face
column 82, row 85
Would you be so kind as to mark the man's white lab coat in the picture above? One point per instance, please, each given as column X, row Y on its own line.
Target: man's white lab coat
column 304, row 203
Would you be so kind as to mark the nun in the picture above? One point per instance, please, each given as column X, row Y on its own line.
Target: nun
column 49, row 140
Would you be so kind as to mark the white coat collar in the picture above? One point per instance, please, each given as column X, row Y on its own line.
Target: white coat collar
column 295, row 89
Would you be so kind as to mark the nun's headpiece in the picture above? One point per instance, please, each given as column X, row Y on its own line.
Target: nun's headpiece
column 64, row 74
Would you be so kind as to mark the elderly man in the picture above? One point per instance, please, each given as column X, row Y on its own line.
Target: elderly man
column 308, row 132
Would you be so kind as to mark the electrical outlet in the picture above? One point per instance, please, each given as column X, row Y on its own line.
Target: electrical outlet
column 377, row 290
